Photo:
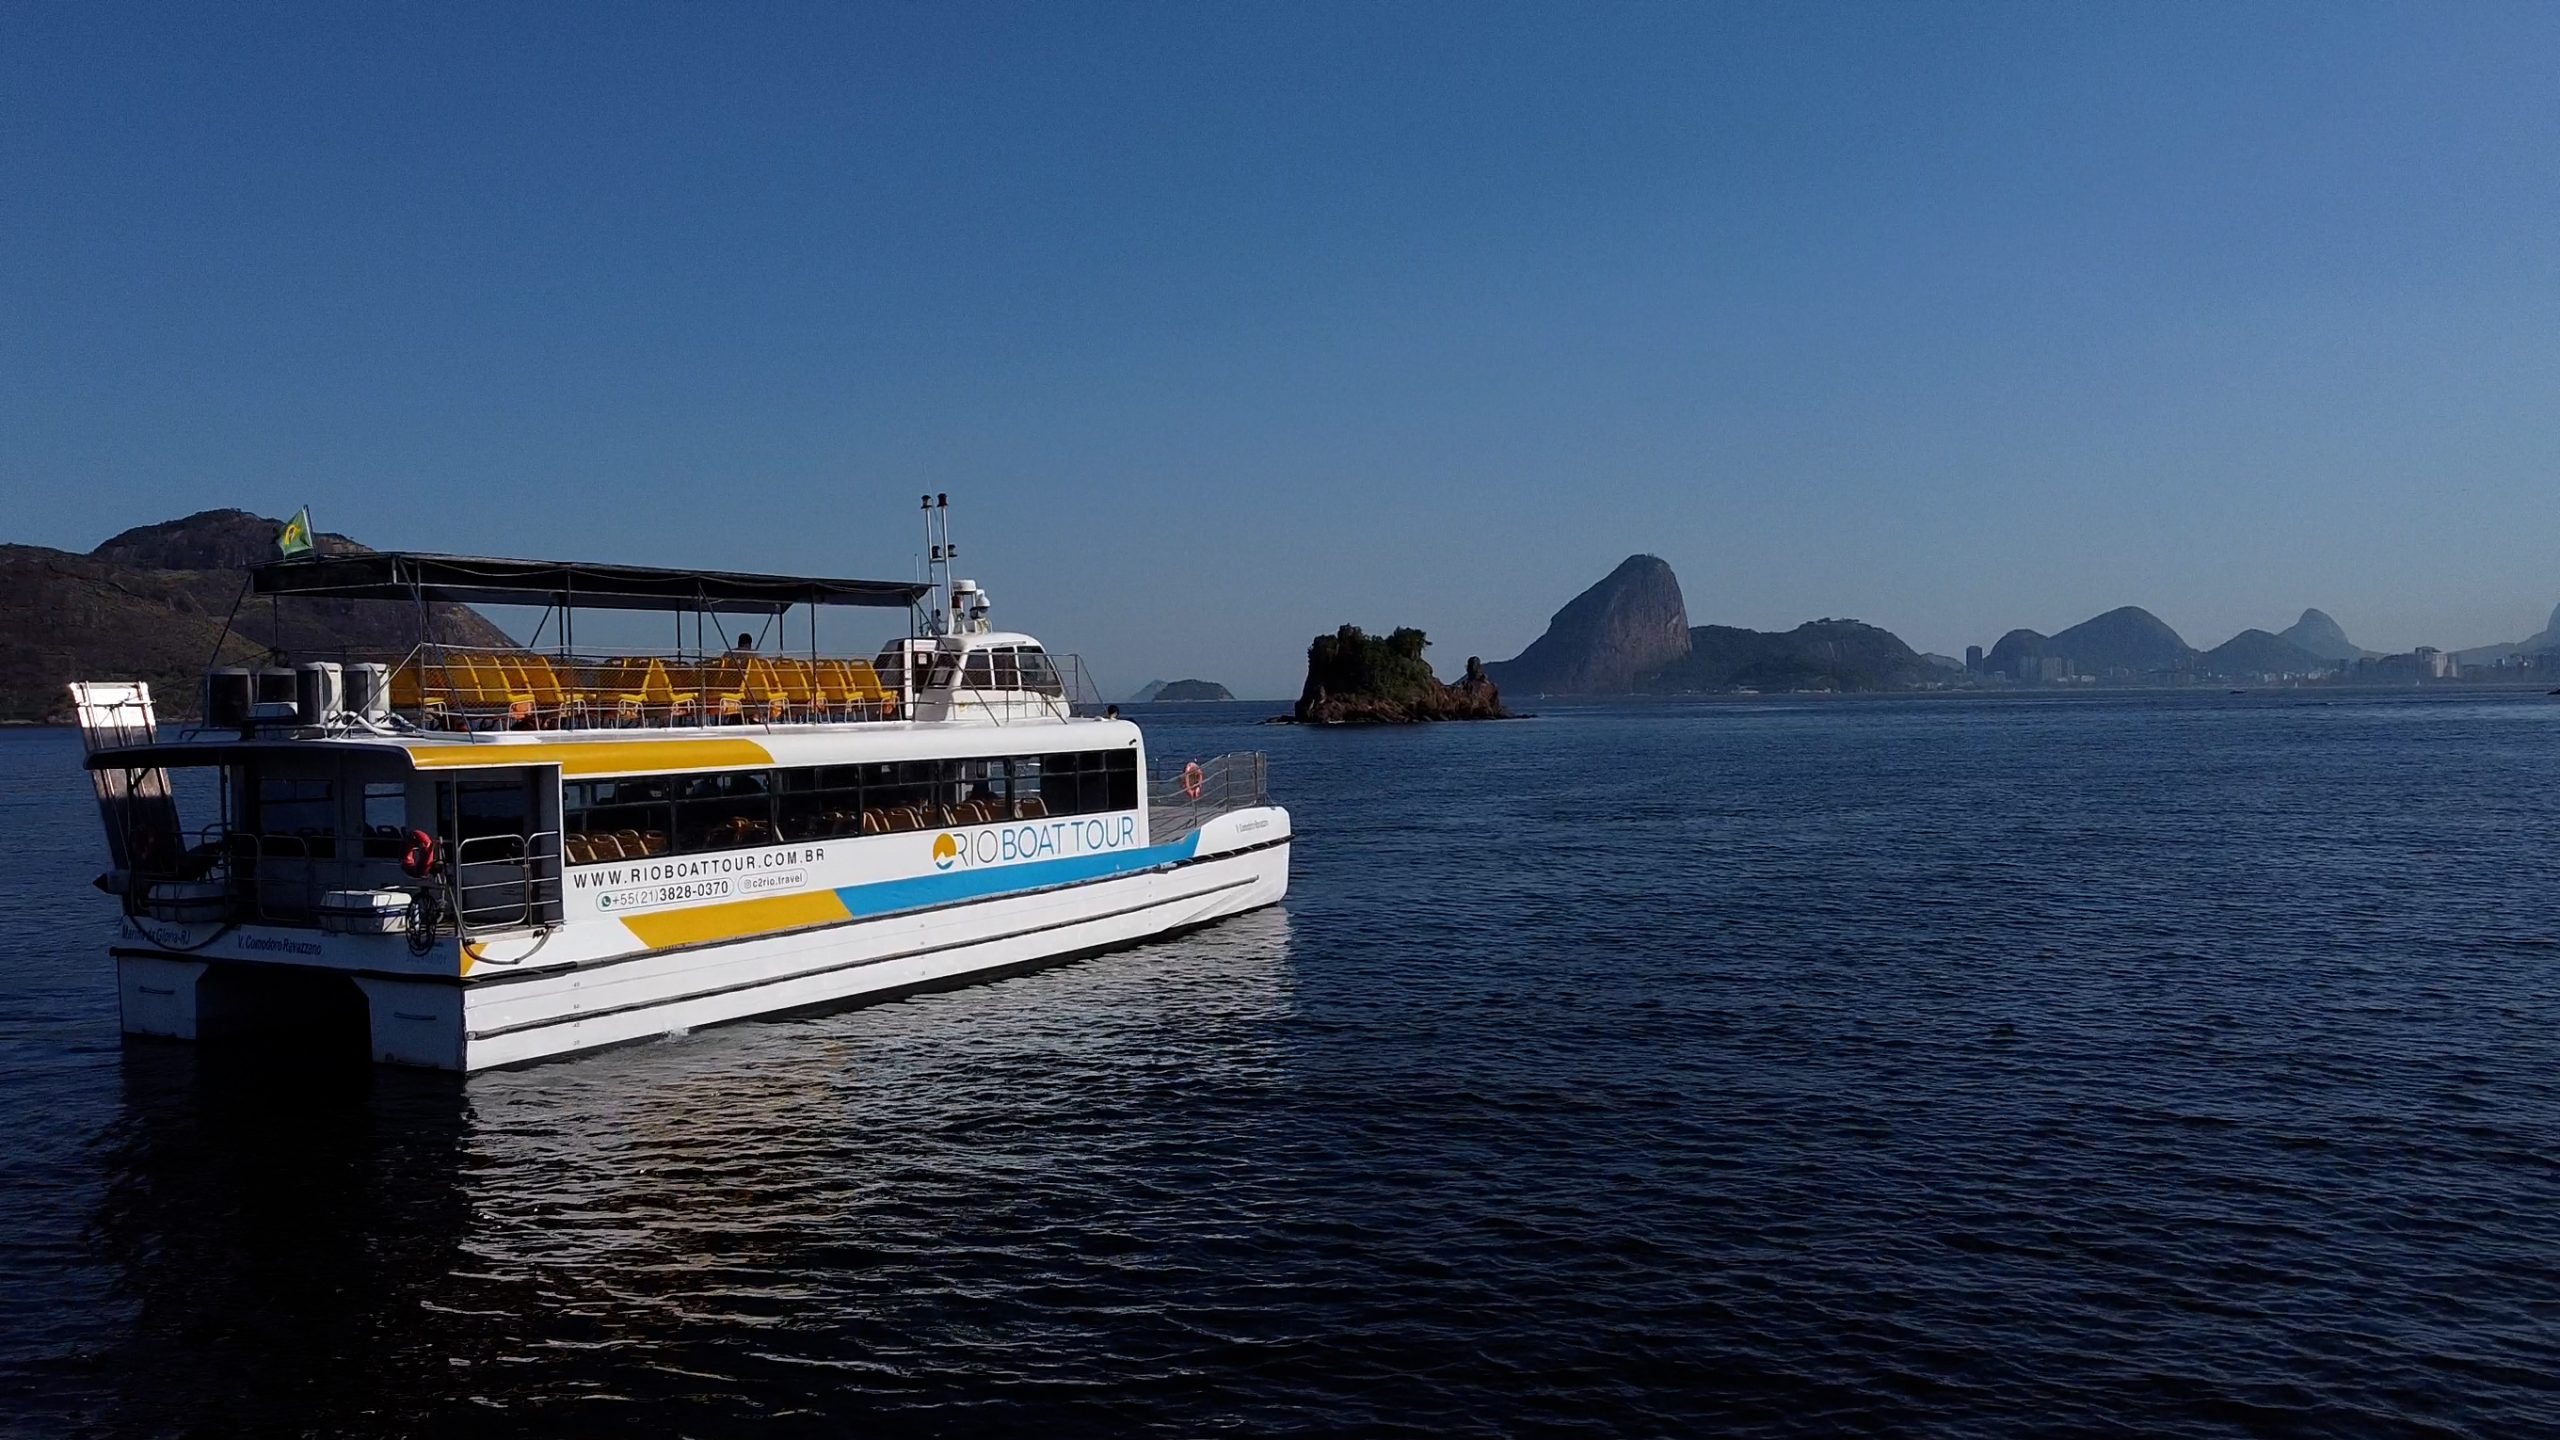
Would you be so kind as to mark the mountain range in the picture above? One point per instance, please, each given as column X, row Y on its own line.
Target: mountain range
column 153, row 604
column 1630, row 634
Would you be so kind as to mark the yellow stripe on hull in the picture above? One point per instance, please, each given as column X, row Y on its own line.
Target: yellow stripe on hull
column 736, row 920
column 599, row 757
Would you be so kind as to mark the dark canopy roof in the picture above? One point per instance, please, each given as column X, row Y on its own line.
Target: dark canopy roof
column 466, row 579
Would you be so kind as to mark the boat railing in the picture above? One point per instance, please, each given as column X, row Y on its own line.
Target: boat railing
column 1184, row 796
column 461, row 687
column 504, row 882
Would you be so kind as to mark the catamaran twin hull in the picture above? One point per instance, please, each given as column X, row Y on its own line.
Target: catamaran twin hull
column 827, row 923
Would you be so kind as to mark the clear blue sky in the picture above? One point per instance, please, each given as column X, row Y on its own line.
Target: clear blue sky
column 1227, row 324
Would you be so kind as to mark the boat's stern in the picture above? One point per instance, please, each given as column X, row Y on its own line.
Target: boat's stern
column 374, row 996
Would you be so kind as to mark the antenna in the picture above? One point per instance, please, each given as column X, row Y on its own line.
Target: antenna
column 932, row 558
column 944, row 591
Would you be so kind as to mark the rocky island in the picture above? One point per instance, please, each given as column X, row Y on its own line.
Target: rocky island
column 1355, row 678
column 1168, row 692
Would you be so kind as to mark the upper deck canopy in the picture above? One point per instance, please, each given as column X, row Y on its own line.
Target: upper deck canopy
column 479, row 580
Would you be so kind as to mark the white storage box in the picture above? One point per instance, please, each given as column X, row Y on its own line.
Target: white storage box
column 364, row 912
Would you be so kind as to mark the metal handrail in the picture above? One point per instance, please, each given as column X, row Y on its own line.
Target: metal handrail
column 1238, row 780
column 531, row 896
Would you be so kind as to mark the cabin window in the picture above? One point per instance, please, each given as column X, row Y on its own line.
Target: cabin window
column 816, row 802
column 618, row 819
column 981, row 792
column 1007, row 676
column 898, row 668
column 981, row 674
column 730, row 811
column 386, row 819
column 296, row 817
column 1028, row 801
column 1081, row 782
column 296, row 807
column 944, row 675
column 486, row 809
column 1038, row 675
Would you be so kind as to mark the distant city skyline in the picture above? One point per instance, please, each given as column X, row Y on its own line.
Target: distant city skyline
column 1224, row 327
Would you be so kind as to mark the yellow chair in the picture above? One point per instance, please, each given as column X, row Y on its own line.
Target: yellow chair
column 768, row 696
column 853, row 688
column 639, row 689
column 479, row 686
column 411, row 695
column 795, row 682
column 722, row 686
column 552, row 691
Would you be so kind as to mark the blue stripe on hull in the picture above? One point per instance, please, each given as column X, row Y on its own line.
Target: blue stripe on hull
column 884, row 897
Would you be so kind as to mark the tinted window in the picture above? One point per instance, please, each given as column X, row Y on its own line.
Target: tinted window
column 728, row 811
column 1037, row 673
column 297, row 807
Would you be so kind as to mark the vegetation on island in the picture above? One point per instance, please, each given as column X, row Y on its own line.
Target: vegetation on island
column 1355, row 678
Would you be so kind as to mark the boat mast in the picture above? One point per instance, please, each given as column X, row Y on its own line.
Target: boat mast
column 939, row 553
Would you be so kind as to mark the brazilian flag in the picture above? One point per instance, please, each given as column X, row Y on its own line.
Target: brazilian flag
column 295, row 538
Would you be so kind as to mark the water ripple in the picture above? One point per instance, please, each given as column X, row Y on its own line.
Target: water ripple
column 2177, row 1066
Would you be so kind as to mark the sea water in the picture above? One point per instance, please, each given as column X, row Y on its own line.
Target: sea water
column 2160, row 1065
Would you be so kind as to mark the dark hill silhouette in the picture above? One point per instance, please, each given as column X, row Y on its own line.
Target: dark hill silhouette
column 2128, row 640
column 1608, row 639
column 2252, row 653
column 2014, row 647
column 150, row 604
column 2125, row 643
column 2548, row 640
column 1817, row 655
column 2322, row 636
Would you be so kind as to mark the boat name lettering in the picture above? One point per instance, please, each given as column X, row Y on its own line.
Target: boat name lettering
column 274, row 945
column 1042, row 840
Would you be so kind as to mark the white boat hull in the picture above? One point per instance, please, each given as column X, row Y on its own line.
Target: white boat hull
column 508, row 1014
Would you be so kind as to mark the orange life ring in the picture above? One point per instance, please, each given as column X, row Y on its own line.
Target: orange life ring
column 1192, row 780
column 419, row 855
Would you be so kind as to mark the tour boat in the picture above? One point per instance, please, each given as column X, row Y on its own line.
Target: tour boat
column 482, row 857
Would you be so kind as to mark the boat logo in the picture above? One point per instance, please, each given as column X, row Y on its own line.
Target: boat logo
column 946, row 851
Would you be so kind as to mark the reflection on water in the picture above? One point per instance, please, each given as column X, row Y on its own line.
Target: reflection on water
column 271, row 1222
column 2173, row 1066
column 377, row 1243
